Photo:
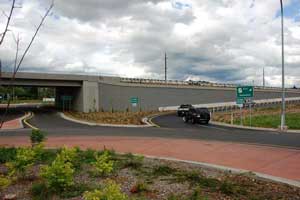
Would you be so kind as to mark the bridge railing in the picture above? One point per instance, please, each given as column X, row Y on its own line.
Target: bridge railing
column 232, row 105
column 190, row 83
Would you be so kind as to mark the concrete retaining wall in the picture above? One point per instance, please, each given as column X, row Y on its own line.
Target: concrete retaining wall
column 117, row 97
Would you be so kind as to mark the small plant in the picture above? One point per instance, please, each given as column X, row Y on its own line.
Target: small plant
column 228, row 188
column 7, row 154
column 25, row 158
column 110, row 191
column 60, row 174
column 139, row 187
column 68, row 154
column 103, row 164
column 4, row 182
column 37, row 137
column 87, row 156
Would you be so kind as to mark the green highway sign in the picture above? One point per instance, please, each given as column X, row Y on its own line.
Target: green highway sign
column 134, row 100
column 240, row 100
column 66, row 98
column 244, row 92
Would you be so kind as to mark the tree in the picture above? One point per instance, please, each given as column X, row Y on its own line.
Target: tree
column 18, row 62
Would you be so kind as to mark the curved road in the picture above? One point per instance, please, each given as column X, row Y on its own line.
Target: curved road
column 171, row 126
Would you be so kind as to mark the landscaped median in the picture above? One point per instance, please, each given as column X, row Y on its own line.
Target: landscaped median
column 71, row 173
column 261, row 117
column 130, row 119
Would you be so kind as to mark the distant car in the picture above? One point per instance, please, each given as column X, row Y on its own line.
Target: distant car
column 197, row 115
column 183, row 109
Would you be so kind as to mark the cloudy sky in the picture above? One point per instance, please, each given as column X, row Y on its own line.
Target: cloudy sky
column 214, row 40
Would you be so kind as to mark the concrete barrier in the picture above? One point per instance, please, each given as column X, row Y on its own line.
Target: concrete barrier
column 223, row 106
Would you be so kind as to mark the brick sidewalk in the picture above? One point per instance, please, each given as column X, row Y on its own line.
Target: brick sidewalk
column 273, row 161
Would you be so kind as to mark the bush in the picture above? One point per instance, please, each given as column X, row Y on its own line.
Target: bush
column 87, row 156
column 103, row 164
column 37, row 137
column 7, row 154
column 228, row 188
column 68, row 155
column 60, row 174
column 4, row 182
column 25, row 158
column 111, row 191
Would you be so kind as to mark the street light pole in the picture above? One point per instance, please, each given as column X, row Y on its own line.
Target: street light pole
column 282, row 125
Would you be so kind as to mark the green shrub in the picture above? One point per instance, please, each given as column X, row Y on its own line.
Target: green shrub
column 7, row 154
column 39, row 151
column 60, row 174
column 111, row 191
column 37, row 136
column 25, row 158
column 87, row 156
column 228, row 188
column 103, row 164
column 4, row 182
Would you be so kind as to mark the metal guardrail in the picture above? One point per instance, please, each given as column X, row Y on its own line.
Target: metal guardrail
column 191, row 83
column 232, row 105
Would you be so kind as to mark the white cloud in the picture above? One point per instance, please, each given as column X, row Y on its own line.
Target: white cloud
column 220, row 40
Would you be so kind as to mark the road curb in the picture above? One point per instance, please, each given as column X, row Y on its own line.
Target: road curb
column 253, row 128
column 231, row 170
column 144, row 120
column 25, row 121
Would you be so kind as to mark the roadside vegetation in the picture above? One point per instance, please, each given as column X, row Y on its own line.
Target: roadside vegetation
column 132, row 118
column 262, row 117
column 74, row 174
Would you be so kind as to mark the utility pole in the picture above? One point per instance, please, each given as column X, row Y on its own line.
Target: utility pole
column 282, row 125
column 166, row 58
column 264, row 84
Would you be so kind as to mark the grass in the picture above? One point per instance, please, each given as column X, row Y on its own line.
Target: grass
column 272, row 121
column 263, row 117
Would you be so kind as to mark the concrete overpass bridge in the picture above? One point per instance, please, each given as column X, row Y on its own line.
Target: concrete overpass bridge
column 94, row 93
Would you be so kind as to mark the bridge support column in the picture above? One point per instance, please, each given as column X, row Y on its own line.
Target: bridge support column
column 90, row 96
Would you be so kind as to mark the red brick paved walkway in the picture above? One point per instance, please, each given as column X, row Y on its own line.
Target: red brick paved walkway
column 274, row 161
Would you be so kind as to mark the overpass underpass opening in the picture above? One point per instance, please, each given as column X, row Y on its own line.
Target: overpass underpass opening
column 63, row 98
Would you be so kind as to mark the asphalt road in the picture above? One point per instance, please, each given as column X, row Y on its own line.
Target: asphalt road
column 171, row 126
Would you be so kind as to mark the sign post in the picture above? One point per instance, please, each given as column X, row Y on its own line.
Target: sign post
column 244, row 95
column 134, row 101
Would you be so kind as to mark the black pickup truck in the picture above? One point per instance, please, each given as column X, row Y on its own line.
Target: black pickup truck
column 197, row 115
